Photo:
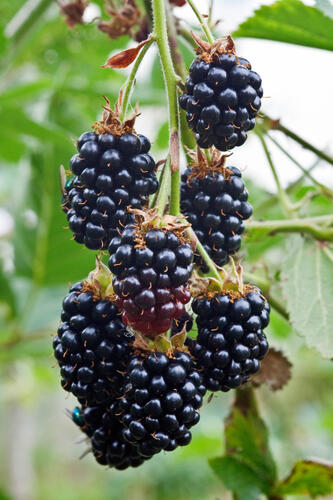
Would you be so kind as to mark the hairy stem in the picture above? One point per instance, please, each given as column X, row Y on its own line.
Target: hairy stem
column 202, row 22
column 170, row 78
column 129, row 84
column 320, row 227
column 276, row 125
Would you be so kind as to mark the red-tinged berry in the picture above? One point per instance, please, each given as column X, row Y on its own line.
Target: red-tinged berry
column 230, row 341
column 223, row 96
column 152, row 263
column 160, row 401
column 92, row 343
column 113, row 170
column 214, row 200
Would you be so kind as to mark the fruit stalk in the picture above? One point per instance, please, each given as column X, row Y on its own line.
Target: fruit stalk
column 201, row 20
column 170, row 78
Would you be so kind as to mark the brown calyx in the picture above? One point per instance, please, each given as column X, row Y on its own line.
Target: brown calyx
column 201, row 165
column 232, row 293
column 150, row 219
column 111, row 124
column 122, row 20
column 209, row 53
column 73, row 11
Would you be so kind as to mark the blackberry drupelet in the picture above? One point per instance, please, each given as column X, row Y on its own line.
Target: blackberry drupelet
column 113, row 170
column 160, row 401
column 151, row 266
column 230, row 342
column 223, row 96
column 214, row 200
column 92, row 344
column 105, row 435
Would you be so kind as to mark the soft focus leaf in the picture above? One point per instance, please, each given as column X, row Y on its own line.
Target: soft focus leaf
column 308, row 477
column 289, row 21
column 307, row 281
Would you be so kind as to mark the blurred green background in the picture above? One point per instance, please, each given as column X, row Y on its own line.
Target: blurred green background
column 50, row 92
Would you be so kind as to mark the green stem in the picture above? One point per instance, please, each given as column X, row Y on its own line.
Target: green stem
column 203, row 23
column 276, row 125
column 164, row 189
column 212, row 267
column 281, row 192
column 319, row 227
column 128, row 85
column 171, row 79
column 325, row 190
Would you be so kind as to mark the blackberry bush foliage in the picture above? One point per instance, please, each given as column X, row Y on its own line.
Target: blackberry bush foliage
column 230, row 341
column 152, row 263
column 214, row 201
column 223, row 95
column 92, row 343
column 160, row 401
column 113, row 170
column 105, row 437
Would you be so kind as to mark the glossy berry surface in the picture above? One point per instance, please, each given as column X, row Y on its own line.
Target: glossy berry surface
column 160, row 402
column 150, row 278
column 216, row 205
column 222, row 99
column 91, row 346
column 230, row 342
column 110, row 174
column 105, row 437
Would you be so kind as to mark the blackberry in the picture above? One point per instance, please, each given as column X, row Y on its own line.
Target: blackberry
column 223, row 96
column 230, row 342
column 214, row 200
column 92, row 343
column 105, row 436
column 152, row 263
column 178, row 324
column 113, row 170
column 160, row 401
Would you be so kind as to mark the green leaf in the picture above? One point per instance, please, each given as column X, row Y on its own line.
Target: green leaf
column 308, row 477
column 307, row 281
column 289, row 21
column 237, row 477
column 247, row 438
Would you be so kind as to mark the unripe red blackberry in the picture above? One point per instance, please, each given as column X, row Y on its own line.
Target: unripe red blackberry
column 230, row 342
column 152, row 263
column 214, row 200
column 113, row 171
column 223, row 96
column 105, row 436
column 92, row 344
column 160, row 401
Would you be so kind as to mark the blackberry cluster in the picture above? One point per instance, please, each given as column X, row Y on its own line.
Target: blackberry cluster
column 105, row 435
column 111, row 173
column 160, row 402
column 222, row 99
column 92, row 346
column 151, row 271
column 216, row 205
column 230, row 342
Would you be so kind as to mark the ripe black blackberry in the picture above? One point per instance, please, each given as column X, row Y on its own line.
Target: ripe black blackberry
column 214, row 200
column 105, row 436
column 113, row 170
column 160, row 401
column 152, row 262
column 92, row 344
column 223, row 96
column 230, row 342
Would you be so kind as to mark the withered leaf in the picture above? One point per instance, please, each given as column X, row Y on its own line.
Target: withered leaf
column 125, row 57
column 275, row 370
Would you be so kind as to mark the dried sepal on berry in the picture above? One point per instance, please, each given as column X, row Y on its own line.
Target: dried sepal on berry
column 123, row 19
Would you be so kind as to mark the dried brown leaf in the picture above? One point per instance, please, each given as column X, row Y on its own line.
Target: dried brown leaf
column 125, row 57
column 275, row 370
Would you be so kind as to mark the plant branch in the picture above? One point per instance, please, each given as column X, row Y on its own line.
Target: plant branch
column 212, row 267
column 284, row 199
column 129, row 84
column 171, row 80
column 276, row 125
column 203, row 23
column 320, row 227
